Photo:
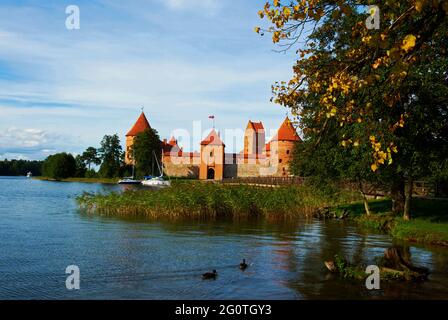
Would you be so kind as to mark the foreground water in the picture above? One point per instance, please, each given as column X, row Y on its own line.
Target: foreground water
column 42, row 232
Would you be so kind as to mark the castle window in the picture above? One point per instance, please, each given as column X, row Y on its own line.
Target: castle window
column 279, row 160
column 211, row 153
column 287, row 151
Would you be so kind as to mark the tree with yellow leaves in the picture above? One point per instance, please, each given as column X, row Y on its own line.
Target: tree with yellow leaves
column 384, row 90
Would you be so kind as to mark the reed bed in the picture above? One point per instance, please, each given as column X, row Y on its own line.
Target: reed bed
column 195, row 200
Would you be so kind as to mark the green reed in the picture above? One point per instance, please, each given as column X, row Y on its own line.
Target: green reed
column 204, row 201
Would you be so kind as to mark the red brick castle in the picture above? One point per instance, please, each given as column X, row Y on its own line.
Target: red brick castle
column 257, row 158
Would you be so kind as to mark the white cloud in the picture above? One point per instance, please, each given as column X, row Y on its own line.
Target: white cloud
column 31, row 143
column 177, row 63
column 22, row 138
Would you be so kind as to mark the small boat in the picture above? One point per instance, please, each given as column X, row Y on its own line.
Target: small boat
column 128, row 180
column 243, row 265
column 29, row 174
column 156, row 181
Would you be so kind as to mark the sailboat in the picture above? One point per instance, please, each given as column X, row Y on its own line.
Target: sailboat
column 157, row 181
column 129, row 180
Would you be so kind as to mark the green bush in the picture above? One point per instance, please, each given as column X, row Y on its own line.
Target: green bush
column 59, row 166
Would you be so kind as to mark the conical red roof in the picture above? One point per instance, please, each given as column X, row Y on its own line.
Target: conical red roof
column 139, row 126
column 213, row 139
column 256, row 126
column 286, row 132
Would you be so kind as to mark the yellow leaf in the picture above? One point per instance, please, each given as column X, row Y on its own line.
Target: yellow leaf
column 408, row 42
column 257, row 29
column 374, row 167
column 419, row 5
column 287, row 12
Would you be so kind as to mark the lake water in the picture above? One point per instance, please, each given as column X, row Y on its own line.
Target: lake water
column 42, row 232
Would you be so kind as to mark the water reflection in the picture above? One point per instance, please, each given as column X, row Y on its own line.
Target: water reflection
column 42, row 232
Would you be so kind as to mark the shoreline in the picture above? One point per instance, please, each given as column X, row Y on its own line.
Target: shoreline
column 199, row 201
column 428, row 226
column 82, row 180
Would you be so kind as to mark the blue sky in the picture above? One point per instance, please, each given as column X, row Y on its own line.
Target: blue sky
column 183, row 60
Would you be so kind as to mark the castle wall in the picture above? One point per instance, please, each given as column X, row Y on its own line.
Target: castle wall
column 212, row 158
column 280, row 155
column 213, row 162
column 235, row 165
column 181, row 170
column 249, row 170
column 181, row 166
column 129, row 142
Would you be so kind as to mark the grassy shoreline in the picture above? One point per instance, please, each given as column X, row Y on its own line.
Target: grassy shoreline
column 429, row 223
column 201, row 201
column 194, row 200
column 83, row 180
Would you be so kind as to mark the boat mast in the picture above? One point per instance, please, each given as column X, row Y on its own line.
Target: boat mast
column 158, row 165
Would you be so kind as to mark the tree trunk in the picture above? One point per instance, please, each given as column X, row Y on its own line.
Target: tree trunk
column 408, row 196
column 364, row 198
column 397, row 195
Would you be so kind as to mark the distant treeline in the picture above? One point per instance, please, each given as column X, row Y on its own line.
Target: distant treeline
column 20, row 167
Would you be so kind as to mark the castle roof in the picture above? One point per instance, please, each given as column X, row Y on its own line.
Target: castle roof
column 256, row 126
column 213, row 139
column 139, row 126
column 172, row 142
column 286, row 132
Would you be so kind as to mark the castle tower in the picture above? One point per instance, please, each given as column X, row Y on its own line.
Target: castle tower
column 139, row 126
column 254, row 138
column 212, row 157
column 281, row 146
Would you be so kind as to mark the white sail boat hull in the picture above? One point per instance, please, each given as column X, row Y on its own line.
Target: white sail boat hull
column 156, row 182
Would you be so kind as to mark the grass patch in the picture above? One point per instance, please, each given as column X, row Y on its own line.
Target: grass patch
column 421, row 230
column 200, row 201
column 429, row 223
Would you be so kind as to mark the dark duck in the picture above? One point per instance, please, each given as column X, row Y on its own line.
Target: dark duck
column 243, row 265
column 210, row 275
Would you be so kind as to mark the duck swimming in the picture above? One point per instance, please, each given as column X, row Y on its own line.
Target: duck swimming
column 243, row 265
column 210, row 275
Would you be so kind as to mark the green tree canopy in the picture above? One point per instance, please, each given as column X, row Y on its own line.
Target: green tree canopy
column 20, row 167
column 146, row 148
column 59, row 166
column 81, row 168
column 111, row 155
column 382, row 93
column 90, row 156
